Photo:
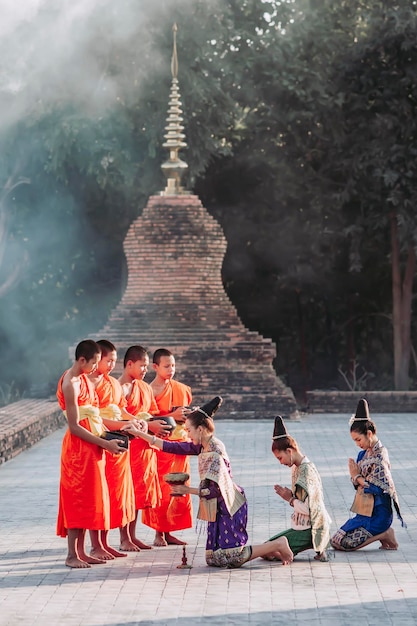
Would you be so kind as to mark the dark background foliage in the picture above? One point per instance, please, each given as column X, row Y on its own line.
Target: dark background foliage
column 300, row 119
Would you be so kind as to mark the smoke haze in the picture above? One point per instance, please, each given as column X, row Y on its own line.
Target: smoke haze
column 57, row 55
column 56, row 51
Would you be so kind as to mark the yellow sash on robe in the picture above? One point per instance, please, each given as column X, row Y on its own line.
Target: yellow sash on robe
column 143, row 416
column 179, row 432
column 92, row 413
column 111, row 412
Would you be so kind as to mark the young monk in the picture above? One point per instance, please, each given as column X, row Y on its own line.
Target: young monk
column 141, row 403
column 172, row 398
column 83, row 494
column 112, row 405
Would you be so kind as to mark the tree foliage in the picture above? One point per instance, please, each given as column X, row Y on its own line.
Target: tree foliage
column 334, row 113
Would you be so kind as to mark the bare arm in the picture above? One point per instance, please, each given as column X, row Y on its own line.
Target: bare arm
column 182, row 489
column 70, row 390
column 117, row 424
column 153, row 441
column 140, row 423
column 180, row 414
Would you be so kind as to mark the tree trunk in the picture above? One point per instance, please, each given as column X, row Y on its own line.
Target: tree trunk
column 402, row 293
column 302, row 344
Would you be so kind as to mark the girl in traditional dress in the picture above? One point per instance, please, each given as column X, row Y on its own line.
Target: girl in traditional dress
column 310, row 522
column 375, row 490
column 222, row 503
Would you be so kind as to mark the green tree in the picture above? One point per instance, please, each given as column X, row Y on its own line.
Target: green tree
column 378, row 152
column 328, row 143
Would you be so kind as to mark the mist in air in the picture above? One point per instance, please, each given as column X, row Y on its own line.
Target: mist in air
column 63, row 58
column 55, row 51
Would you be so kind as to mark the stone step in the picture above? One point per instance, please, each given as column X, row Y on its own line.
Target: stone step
column 193, row 345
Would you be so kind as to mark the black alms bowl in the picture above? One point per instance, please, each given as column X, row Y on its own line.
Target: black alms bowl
column 167, row 419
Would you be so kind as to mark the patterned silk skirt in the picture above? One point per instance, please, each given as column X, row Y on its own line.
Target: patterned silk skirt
column 227, row 538
column 357, row 530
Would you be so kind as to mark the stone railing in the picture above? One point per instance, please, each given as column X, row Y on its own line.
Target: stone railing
column 25, row 422
column 346, row 401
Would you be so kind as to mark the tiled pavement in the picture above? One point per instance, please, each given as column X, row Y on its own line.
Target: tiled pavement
column 369, row 587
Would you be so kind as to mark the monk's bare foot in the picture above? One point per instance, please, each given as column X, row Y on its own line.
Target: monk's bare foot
column 173, row 541
column 139, row 544
column 73, row 561
column 128, row 546
column 101, row 554
column 115, row 553
column 322, row 557
column 91, row 559
column 271, row 557
column 159, row 540
column 388, row 540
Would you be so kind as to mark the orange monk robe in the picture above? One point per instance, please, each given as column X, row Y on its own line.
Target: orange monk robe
column 173, row 513
column 83, row 492
column 142, row 457
column 118, row 474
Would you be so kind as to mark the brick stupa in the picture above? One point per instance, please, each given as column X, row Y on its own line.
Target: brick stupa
column 175, row 297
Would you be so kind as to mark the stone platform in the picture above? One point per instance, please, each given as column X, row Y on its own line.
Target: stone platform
column 370, row 587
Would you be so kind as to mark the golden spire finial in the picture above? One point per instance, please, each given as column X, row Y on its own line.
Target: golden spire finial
column 174, row 167
column 174, row 60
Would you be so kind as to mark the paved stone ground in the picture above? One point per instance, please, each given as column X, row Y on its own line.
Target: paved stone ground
column 370, row 587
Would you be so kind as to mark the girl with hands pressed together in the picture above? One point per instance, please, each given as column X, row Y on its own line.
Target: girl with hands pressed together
column 310, row 522
column 371, row 478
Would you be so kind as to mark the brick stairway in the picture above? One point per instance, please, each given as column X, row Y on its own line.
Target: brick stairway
column 175, row 299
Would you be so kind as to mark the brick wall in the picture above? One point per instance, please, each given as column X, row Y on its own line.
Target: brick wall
column 346, row 401
column 25, row 422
